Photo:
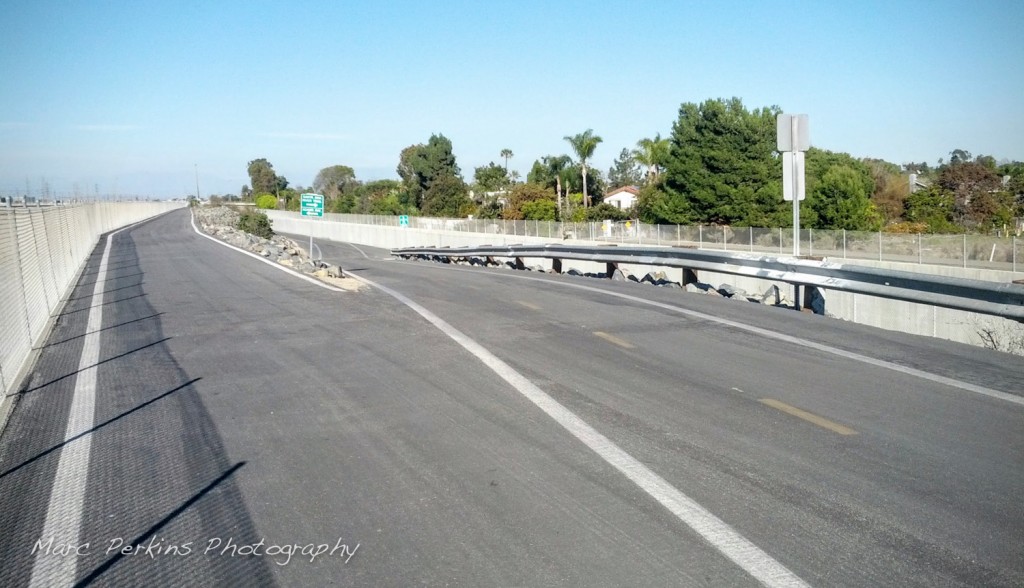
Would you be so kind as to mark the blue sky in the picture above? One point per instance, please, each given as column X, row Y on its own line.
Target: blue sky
column 131, row 97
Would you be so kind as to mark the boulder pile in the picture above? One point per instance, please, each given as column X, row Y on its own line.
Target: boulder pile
column 221, row 222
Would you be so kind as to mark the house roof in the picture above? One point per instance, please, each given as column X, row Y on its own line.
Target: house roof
column 629, row 189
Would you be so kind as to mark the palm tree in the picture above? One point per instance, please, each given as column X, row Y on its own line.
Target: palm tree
column 652, row 153
column 507, row 154
column 584, row 145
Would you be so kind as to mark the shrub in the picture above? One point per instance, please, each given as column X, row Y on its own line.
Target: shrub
column 907, row 228
column 266, row 201
column 255, row 223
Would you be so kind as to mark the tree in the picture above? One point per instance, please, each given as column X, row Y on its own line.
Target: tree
column 490, row 177
column 541, row 210
column 335, row 180
column 446, row 195
column 267, row 201
column 506, row 154
column 421, row 165
column 624, row 171
column 959, row 156
column 553, row 172
column 584, row 145
column 891, row 189
column 262, row 178
column 652, row 153
column 522, row 194
column 841, row 201
column 972, row 185
column 722, row 168
column 839, row 188
column 933, row 207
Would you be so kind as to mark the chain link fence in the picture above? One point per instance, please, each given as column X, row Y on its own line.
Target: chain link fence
column 41, row 250
column 973, row 251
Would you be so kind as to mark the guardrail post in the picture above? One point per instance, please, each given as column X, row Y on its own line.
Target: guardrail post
column 609, row 268
column 796, row 297
column 689, row 276
column 556, row 265
column 519, row 264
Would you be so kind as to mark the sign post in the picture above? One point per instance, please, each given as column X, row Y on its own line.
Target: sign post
column 312, row 205
column 793, row 139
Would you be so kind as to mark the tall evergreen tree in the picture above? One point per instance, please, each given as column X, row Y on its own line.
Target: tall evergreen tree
column 624, row 171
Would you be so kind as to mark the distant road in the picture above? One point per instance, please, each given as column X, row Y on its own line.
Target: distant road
column 501, row 429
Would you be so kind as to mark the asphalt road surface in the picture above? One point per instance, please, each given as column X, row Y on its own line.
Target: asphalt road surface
column 199, row 417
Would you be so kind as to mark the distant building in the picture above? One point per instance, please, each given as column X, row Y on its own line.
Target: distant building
column 623, row 197
column 917, row 184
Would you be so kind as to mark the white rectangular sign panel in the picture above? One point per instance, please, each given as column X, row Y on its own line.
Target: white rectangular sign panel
column 793, row 175
column 784, row 127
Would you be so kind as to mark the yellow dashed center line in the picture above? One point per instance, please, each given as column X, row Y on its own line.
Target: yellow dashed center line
column 614, row 340
column 529, row 305
column 809, row 417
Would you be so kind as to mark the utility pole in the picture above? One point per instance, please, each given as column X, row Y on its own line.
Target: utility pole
column 197, row 181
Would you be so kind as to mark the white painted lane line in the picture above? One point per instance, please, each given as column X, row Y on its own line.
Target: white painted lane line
column 263, row 259
column 359, row 250
column 64, row 514
column 724, row 538
column 990, row 392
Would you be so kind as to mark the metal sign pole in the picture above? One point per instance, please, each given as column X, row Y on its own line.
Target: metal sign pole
column 796, row 197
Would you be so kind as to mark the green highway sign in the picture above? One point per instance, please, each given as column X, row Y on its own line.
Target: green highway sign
column 312, row 205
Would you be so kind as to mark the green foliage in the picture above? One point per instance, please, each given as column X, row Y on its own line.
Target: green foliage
column 891, row 189
column 490, row 177
column 489, row 209
column 721, row 168
column 653, row 154
column 655, row 205
column 344, row 204
column 606, row 211
column 255, row 223
column 445, row 197
column 584, row 144
column 266, row 201
column 624, row 171
column 541, row 210
column 840, row 200
column 522, row 194
column 388, row 204
column 262, row 177
column 934, row 208
column 334, row 181
column 421, row 165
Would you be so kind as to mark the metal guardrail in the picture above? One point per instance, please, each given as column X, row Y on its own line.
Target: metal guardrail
column 990, row 298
